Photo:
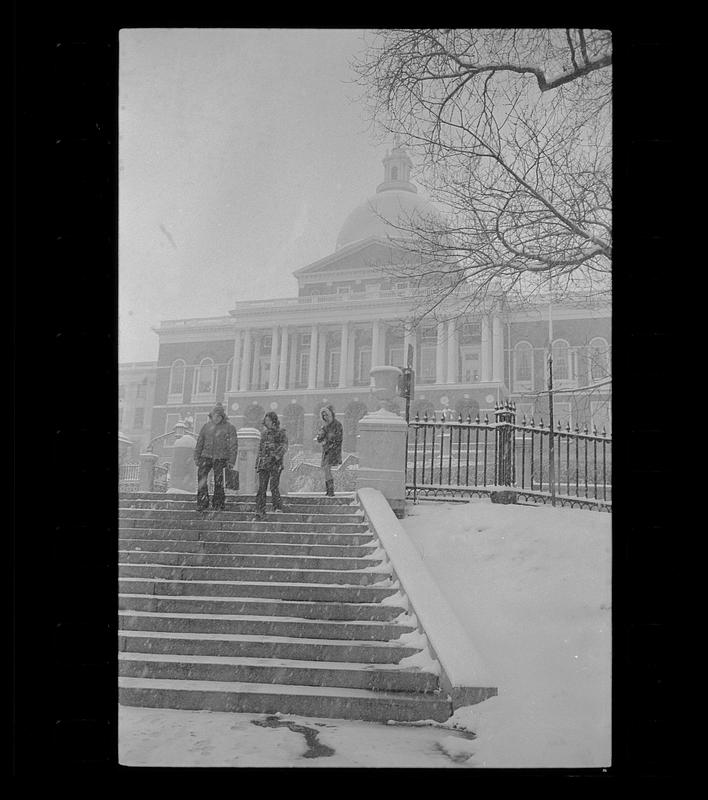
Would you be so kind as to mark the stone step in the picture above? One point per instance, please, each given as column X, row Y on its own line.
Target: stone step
column 215, row 518
column 340, row 499
column 262, row 698
column 383, row 678
column 238, row 506
column 259, row 607
column 346, row 577
column 271, row 525
column 245, row 548
column 252, row 625
column 309, row 592
column 260, row 536
column 243, row 560
column 263, row 646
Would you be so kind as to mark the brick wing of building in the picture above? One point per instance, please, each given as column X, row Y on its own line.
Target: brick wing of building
column 294, row 354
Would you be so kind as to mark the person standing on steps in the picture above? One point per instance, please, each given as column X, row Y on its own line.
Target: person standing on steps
column 269, row 464
column 330, row 435
column 217, row 447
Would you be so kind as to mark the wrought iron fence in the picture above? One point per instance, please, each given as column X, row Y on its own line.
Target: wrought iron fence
column 129, row 477
column 463, row 458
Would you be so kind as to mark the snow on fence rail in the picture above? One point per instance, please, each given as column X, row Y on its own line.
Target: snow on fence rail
column 464, row 458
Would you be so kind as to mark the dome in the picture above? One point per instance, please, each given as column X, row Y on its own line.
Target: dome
column 396, row 204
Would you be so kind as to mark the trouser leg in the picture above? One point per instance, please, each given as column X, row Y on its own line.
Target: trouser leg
column 203, row 469
column 219, row 499
column 261, row 493
column 275, row 489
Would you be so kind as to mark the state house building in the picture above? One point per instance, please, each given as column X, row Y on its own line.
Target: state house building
column 294, row 354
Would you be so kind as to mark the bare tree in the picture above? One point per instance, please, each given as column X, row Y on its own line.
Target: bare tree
column 512, row 131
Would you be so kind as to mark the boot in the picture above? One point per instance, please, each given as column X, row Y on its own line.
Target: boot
column 330, row 488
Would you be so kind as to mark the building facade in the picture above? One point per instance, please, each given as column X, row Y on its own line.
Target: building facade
column 136, row 399
column 294, row 354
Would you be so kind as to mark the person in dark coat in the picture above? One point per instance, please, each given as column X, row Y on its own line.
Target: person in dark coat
column 217, row 447
column 330, row 435
column 269, row 464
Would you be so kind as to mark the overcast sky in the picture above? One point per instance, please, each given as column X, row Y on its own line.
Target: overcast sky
column 241, row 153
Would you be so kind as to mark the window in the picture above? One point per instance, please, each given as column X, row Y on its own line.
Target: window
column 333, row 368
column 561, row 360
column 395, row 356
column 303, row 369
column 523, row 366
column 364, row 366
column 139, row 417
column 470, row 364
column 470, row 331
column 177, row 378
column 427, row 365
column 598, row 360
column 394, row 173
column 305, row 339
column 142, row 389
column 204, row 377
column 429, row 332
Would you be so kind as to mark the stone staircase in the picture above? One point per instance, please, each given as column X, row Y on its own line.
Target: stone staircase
column 297, row 614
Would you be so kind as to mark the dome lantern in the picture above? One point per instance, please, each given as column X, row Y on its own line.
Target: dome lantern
column 397, row 170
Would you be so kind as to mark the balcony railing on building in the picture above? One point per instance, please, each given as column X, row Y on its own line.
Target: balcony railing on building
column 450, row 457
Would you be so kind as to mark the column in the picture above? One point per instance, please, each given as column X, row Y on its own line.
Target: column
column 236, row 368
column 485, row 354
column 375, row 337
column 452, row 352
column 497, row 349
column 350, row 360
column 408, row 338
column 440, row 354
column 245, row 380
column 322, row 351
column 283, row 370
column 273, row 375
column 312, row 375
column 344, row 356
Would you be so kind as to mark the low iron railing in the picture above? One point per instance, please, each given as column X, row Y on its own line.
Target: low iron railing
column 449, row 457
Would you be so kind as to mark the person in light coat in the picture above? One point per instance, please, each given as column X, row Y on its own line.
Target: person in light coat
column 217, row 447
column 330, row 435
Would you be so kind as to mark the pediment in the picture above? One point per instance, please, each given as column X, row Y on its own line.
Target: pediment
column 365, row 256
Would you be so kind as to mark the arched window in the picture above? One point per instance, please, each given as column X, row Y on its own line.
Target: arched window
column 598, row 359
column 523, row 365
column 177, row 378
column 561, row 360
column 204, row 377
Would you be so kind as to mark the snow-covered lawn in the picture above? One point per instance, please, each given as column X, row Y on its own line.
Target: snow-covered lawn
column 532, row 587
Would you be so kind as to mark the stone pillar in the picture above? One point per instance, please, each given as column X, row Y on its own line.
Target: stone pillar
column 350, row 360
column 375, row 343
column 248, row 441
column 344, row 356
column 183, row 470
column 236, row 368
column 245, row 381
column 283, row 370
column 273, row 375
column 440, row 354
column 382, row 457
column 147, row 471
column 497, row 349
column 486, row 351
column 312, row 376
column 452, row 352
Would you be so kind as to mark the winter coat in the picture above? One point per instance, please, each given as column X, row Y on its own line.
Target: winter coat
column 331, row 436
column 217, row 441
column 272, row 448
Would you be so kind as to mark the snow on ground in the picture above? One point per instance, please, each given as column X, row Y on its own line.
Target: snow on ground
column 532, row 587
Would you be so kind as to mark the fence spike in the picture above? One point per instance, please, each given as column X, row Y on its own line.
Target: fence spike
column 486, row 419
column 585, row 429
column 567, row 426
column 469, row 418
column 416, row 417
column 459, row 416
column 533, row 424
column 577, row 429
column 594, row 429
column 540, row 424
column 559, row 425
column 476, row 419
column 604, row 432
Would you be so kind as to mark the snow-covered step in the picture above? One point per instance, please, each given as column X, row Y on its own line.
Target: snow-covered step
column 266, row 698
column 236, row 506
column 345, row 577
column 318, row 499
column 243, row 548
column 263, row 646
column 381, row 677
column 254, row 625
column 313, row 592
column 132, row 519
column 173, row 558
column 230, row 516
column 261, row 535
column 258, row 606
